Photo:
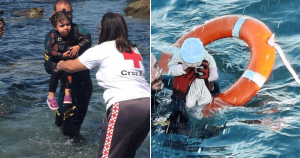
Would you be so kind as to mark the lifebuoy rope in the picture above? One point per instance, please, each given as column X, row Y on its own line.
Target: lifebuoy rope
column 286, row 63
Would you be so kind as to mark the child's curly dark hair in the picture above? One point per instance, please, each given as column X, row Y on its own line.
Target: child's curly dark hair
column 2, row 20
column 59, row 16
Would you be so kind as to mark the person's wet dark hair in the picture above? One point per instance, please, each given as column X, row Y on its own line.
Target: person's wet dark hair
column 59, row 16
column 114, row 27
column 61, row 1
column 2, row 20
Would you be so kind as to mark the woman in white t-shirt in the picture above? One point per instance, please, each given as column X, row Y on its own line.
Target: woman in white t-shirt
column 127, row 93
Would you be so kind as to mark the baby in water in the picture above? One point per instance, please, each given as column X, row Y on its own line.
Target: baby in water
column 191, row 54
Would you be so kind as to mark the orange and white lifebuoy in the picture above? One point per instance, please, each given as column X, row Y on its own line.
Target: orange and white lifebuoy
column 262, row 56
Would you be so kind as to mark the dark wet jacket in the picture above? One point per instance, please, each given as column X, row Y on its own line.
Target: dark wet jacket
column 56, row 45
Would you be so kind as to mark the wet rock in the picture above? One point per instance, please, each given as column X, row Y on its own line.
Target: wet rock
column 139, row 8
column 31, row 13
column 3, row 110
column 1, row 11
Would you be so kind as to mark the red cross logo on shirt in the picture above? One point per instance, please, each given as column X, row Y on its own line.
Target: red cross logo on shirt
column 133, row 56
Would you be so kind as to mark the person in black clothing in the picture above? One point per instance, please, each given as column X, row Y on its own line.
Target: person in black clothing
column 70, row 117
column 169, row 110
column 160, row 105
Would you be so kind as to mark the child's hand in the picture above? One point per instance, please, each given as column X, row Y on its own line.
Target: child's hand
column 178, row 70
column 67, row 54
column 75, row 50
column 213, row 74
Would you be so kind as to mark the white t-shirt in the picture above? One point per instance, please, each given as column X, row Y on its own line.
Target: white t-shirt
column 121, row 74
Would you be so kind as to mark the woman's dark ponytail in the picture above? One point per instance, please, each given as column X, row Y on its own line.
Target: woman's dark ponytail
column 114, row 27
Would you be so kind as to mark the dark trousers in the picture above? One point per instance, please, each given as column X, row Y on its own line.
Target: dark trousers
column 66, row 78
column 70, row 117
column 126, row 125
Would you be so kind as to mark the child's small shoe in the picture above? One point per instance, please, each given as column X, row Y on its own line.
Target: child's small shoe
column 52, row 103
column 67, row 99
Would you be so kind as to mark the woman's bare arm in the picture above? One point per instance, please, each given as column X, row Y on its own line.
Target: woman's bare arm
column 70, row 66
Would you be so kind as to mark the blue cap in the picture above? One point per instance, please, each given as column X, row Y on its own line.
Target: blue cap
column 192, row 50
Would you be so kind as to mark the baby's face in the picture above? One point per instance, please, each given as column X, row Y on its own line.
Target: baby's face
column 63, row 27
column 193, row 64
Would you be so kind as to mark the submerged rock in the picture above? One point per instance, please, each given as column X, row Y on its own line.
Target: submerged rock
column 31, row 13
column 140, row 8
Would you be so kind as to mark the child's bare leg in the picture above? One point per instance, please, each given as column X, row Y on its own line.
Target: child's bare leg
column 67, row 99
column 51, row 94
column 67, row 91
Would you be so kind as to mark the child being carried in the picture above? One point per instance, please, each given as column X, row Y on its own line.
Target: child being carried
column 64, row 42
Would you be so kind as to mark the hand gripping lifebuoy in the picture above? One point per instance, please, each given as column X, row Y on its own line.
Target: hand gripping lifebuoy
column 262, row 56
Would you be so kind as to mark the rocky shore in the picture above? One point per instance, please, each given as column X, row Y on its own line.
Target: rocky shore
column 31, row 13
column 139, row 8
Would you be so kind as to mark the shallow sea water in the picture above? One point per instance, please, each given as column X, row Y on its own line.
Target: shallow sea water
column 27, row 126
